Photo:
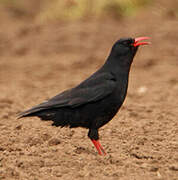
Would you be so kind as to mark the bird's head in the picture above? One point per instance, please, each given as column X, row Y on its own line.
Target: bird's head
column 125, row 49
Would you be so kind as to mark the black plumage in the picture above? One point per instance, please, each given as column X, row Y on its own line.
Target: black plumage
column 95, row 101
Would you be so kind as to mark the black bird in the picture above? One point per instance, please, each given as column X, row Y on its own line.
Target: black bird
column 95, row 101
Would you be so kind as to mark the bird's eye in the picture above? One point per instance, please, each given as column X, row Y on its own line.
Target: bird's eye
column 127, row 43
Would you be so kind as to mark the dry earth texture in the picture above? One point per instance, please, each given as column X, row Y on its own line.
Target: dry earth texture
column 38, row 61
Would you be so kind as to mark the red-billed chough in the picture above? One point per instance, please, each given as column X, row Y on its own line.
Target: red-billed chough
column 95, row 101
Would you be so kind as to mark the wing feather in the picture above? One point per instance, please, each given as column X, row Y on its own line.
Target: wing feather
column 91, row 90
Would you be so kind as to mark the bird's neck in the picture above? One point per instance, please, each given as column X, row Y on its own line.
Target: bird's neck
column 117, row 66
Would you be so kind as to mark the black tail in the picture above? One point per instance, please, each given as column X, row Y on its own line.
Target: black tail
column 58, row 117
column 43, row 114
column 30, row 112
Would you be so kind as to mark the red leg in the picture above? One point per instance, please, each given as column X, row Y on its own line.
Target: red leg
column 98, row 147
column 102, row 149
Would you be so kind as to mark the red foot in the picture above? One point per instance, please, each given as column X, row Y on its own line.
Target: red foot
column 98, row 147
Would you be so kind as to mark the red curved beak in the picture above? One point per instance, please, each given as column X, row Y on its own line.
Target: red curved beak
column 138, row 43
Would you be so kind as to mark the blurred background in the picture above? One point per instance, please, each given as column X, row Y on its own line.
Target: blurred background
column 48, row 46
column 40, row 39
column 80, row 33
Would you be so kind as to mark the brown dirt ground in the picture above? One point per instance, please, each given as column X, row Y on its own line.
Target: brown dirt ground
column 38, row 61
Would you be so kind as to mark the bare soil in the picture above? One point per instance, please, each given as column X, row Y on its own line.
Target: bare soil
column 38, row 61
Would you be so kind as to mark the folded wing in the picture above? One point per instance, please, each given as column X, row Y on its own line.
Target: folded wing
column 91, row 90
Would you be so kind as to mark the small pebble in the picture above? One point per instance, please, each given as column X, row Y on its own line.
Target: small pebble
column 142, row 90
